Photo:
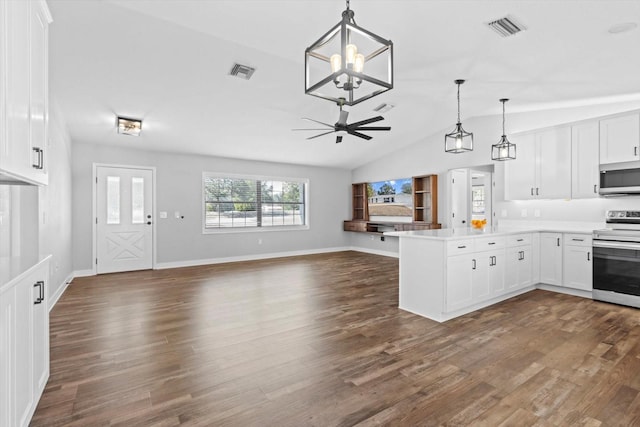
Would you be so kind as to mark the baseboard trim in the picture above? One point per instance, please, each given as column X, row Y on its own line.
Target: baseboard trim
column 53, row 299
column 84, row 273
column 375, row 251
column 565, row 290
column 256, row 257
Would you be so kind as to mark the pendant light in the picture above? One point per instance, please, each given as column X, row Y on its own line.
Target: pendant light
column 503, row 150
column 459, row 140
column 348, row 62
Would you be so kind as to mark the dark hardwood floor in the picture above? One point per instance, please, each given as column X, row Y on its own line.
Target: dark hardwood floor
column 319, row 341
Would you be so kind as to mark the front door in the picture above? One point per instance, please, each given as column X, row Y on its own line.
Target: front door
column 124, row 225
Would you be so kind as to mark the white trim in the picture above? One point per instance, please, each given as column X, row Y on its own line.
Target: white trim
column 565, row 290
column 94, row 213
column 375, row 251
column 83, row 273
column 256, row 257
column 53, row 299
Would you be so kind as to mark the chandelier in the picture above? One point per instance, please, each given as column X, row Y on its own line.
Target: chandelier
column 503, row 150
column 459, row 140
column 348, row 62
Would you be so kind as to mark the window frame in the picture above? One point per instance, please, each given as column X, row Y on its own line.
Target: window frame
column 253, row 229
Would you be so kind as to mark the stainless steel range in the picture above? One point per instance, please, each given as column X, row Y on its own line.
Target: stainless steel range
column 616, row 259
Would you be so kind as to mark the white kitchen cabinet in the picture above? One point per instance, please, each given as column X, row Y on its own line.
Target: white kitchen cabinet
column 585, row 151
column 519, row 262
column 24, row 116
column 459, row 281
column 24, row 345
column 620, row 139
column 551, row 258
column 542, row 169
column 577, row 262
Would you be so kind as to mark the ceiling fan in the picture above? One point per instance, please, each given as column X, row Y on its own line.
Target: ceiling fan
column 352, row 129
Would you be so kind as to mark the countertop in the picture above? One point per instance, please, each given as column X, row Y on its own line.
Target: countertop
column 462, row 233
column 13, row 268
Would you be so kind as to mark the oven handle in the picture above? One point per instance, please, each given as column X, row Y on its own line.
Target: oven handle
column 616, row 245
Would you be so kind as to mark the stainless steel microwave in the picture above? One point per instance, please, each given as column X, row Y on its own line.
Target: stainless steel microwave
column 620, row 182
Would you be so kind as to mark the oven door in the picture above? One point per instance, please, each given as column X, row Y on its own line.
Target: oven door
column 616, row 267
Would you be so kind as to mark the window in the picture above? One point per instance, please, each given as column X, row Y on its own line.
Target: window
column 251, row 202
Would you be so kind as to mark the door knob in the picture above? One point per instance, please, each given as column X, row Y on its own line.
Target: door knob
column 148, row 222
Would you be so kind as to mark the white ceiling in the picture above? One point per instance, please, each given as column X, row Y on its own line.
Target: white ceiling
column 168, row 62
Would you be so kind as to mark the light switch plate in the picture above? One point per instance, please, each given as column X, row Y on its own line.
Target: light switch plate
column 163, row 215
column 523, row 214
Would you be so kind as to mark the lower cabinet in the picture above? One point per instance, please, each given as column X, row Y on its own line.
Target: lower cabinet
column 577, row 262
column 551, row 258
column 519, row 267
column 24, row 345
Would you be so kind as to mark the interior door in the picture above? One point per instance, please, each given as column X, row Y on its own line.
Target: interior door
column 124, row 224
column 460, row 198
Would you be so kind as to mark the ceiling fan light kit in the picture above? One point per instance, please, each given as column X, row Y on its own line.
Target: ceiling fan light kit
column 348, row 62
column 459, row 140
column 128, row 126
column 503, row 150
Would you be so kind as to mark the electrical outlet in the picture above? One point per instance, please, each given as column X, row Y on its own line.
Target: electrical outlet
column 503, row 213
column 523, row 214
column 177, row 214
column 536, row 213
column 259, row 241
column 163, row 215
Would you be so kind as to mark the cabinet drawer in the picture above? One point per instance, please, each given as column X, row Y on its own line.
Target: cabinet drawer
column 490, row 243
column 577, row 240
column 355, row 226
column 458, row 247
column 518, row 240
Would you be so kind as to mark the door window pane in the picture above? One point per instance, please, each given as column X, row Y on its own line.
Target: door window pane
column 137, row 200
column 113, row 200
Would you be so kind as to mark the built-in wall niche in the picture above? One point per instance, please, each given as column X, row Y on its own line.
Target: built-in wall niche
column 390, row 200
column 19, row 222
column 470, row 193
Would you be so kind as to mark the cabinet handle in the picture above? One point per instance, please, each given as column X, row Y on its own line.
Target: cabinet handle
column 491, row 243
column 558, row 241
column 578, row 240
column 520, row 240
column 635, row 151
column 461, row 247
column 39, row 284
column 537, row 192
column 495, row 261
column 40, row 153
column 595, row 188
column 473, row 264
column 588, row 256
column 532, row 191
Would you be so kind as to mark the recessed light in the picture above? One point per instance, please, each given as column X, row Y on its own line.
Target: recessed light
column 128, row 126
column 622, row 27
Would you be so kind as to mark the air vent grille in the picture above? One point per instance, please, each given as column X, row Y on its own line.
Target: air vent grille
column 242, row 71
column 507, row 26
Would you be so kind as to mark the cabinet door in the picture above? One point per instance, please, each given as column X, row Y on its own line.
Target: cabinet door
column 554, row 166
column 619, row 139
column 525, row 267
column 480, row 282
column 578, row 267
column 7, row 356
column 459, row 281
column 585, row 171
column 16, row 152
column 38, row 91
column 520, row 174
column 40, row 331
column 23, row 351
column 497, row 272
column 512, row 268
column 551, row 258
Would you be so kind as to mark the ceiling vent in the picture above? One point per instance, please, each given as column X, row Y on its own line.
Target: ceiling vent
column 242, row 71
column 507, row 26
column 383, row 108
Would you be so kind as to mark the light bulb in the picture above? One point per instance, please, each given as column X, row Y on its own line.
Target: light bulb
column 358, row 66
column 458, row 142
column 351, row 51
column 336, row 62
column 503, row 152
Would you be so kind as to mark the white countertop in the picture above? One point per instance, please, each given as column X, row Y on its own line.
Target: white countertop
column 13, row 268
column 461, row 233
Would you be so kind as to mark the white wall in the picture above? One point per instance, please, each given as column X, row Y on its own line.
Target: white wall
column 427, row 156
column 55, row 205
column 179, row 188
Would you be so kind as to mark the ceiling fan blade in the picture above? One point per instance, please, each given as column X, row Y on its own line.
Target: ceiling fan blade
column 358, row 134
column 338, row 139
column 321, row 134
column 310, row 129
column 343, row 117
column 372, row 128
column 322, row 123
column 367, row 121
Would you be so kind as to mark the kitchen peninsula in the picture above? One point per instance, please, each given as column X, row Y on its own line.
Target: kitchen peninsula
column 450, row 272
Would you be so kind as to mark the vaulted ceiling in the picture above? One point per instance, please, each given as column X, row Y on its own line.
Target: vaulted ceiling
column 168, row 62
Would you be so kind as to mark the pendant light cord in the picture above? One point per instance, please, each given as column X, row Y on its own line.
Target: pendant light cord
column 503, row 133
column 458, row 102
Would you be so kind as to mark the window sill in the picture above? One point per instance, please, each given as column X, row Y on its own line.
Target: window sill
column 255, row 229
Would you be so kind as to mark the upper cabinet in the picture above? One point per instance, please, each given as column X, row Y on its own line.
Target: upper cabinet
column 542, row 169
column 585, row 173
column 620, row 139
column 24, row 95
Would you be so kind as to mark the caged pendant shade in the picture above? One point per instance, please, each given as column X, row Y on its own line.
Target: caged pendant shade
column 459, row 140
column 503, row 150
column 348, row 62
